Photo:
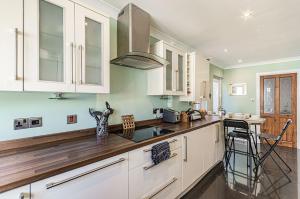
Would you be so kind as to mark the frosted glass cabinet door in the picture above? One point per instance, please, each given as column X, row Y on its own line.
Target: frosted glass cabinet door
column 169, row 70
column 49, row 49
column 11, row 45
column 180, row 72
column 92, row 38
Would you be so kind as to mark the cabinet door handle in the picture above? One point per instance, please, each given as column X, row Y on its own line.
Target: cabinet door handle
column 16, row 31
column 54, row 184
column 177, row 80
column 80, row 51
column 172, row 141
column 174, row 179
column 186, row 148
column 217, row 134
column 72, row 63
column 152, row 165
column 24, row 195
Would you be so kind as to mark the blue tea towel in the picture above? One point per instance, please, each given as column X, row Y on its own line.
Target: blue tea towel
column 160, row 152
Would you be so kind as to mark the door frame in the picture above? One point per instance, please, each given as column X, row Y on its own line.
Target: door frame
column 258, row 75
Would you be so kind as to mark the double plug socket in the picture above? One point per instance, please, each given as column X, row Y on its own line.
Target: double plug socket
column 24, row 123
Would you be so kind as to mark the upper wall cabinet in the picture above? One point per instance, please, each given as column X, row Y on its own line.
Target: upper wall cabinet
column 11, row 45
column 66, row 48
column 197, row 78
column 92, row 39
column 170, row 79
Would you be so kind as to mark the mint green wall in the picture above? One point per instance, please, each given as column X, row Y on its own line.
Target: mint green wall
column 128, row 96
column 248, row 75
column 214, row 71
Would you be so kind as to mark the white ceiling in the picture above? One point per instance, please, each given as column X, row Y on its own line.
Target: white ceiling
column 214, row 25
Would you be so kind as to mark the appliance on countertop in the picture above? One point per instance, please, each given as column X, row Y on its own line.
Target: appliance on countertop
column 143, row 133
column 194, row 114
column 171, row 116
column 133, row 40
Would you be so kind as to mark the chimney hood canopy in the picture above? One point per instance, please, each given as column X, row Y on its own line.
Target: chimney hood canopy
column 133, row 40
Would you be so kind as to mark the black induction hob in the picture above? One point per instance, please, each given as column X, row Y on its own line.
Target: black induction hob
column 143, row 133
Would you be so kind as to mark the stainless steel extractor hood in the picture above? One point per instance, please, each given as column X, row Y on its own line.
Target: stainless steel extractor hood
column 133, row 40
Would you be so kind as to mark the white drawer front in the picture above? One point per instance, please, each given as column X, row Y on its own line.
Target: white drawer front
column 107, row 179
column 143, row 155
column 160, row 181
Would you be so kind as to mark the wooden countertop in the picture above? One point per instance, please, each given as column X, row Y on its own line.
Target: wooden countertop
column 25, row 165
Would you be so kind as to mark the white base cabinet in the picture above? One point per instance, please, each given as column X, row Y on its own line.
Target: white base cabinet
column 104, row 179
column 202, row 149
column 18, row 193
column 159, row 181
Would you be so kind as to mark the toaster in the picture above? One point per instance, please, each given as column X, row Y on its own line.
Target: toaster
column 171, row 116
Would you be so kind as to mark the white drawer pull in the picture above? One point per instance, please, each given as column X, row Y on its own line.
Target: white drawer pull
column 172, row 141
column 54, row 184
column 162, row 188
column 152, row 165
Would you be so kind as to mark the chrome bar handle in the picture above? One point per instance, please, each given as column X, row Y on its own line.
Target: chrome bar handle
column 177, row 80
column 186, row 148
column 217, row 134
column 172, row 141
column 81, row 70
column 72, row 62
column 54, row 184
column 152, row 165
column 16, row 31
column 174, row 179
column 24, row 195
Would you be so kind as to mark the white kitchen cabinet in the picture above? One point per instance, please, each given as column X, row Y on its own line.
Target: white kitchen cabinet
column 104, row 179
column 92, row 39
column 11, row 45
column 202, row 149
column 170, row 79
column 197, row 78
column 159, row 181
column 48, row 50
column 66, row 48
column 18, row 193
column 194, row 147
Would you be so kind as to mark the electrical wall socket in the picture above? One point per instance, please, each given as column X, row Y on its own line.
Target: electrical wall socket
column 21, row 123
column 71, row 119
column 35, row 122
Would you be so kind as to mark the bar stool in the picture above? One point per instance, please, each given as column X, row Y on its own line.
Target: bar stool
column 242, row 131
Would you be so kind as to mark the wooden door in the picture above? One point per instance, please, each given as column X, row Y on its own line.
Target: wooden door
column 278, row 103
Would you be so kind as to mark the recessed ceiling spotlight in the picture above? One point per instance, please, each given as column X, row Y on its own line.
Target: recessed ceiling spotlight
column 240, row 61
column 226, row 50
column 247, row 15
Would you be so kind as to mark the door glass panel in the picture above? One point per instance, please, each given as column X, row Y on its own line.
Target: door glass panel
column 93, row 53
column 286, row 95
column 51, row 42
column 180, row 72
column 169, row 70
column 269, row 95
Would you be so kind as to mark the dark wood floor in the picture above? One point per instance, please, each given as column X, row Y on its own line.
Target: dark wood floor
column 235, row 183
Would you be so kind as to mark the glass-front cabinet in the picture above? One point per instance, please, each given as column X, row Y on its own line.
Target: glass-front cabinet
column 66, row 48
column 92, row 38
column 173, row 75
